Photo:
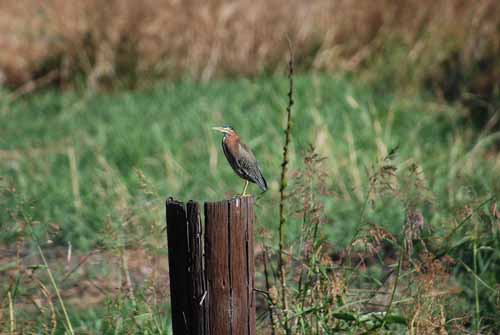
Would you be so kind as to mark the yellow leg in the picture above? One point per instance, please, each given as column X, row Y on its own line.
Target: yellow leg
column 245, row 188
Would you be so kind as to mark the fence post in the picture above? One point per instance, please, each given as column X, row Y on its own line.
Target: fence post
column 196, row 273
column 212, row 293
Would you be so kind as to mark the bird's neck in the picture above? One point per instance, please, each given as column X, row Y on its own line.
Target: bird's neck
column 231, row 140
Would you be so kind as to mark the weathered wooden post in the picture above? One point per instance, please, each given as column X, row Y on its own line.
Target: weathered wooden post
column 185, row 258
column 212, row 293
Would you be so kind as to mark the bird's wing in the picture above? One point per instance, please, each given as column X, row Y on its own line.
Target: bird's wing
column 246, row 153
column 249, row 166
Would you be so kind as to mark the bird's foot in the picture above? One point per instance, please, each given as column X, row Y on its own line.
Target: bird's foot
column 243, row 194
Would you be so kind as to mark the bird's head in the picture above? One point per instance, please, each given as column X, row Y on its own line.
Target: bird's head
column 226, row 130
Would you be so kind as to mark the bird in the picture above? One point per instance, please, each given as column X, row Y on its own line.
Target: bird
column 241, row 159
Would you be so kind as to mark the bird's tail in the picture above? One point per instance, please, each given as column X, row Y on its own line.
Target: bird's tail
column 261, row 182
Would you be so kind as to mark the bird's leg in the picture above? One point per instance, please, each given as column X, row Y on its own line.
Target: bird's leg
column 245, row 188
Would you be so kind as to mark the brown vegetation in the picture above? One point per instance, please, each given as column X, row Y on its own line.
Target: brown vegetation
column 104, row 41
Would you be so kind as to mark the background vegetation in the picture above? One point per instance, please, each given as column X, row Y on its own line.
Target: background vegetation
column 392, row 223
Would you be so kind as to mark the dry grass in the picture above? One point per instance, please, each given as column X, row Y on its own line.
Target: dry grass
column 149, row 39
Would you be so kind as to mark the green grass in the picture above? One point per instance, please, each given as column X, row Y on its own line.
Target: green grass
column 134, row 149
column 166, row 134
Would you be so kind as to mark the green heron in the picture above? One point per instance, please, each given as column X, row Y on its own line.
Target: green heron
column 241, row 158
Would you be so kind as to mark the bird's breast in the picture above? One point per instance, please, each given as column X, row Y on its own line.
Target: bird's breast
column 233, row 145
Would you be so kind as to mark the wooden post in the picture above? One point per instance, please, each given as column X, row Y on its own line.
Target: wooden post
column 177, row 262
column 212, row 294
column 196, row 273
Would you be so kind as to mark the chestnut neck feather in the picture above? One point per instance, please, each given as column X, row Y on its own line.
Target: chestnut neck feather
column 232, row 142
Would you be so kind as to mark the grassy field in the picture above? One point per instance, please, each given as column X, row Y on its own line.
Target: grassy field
column 93, row 170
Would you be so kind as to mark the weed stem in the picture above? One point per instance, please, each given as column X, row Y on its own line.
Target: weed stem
column 283, row 184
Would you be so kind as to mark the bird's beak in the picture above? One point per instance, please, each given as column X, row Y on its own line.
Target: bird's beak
column 221, row 129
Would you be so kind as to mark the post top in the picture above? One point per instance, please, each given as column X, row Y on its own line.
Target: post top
column 247, row 198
